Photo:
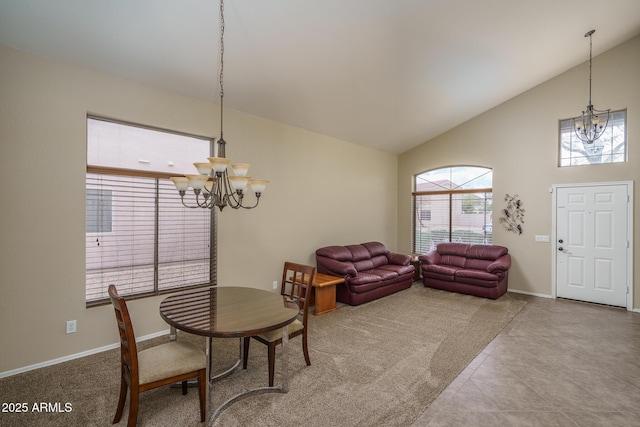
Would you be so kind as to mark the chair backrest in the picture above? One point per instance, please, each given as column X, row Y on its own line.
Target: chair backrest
column 128, row 349
column 296, row 282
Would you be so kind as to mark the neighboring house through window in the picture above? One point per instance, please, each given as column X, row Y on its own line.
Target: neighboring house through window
column 452, row 204
column 139, row 237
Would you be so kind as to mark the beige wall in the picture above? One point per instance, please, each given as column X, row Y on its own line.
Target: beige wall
column 519, row 141
column 323, row 191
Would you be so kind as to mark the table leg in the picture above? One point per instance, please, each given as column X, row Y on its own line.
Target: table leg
column 284, row 388
column 285, row 360
column 232, row 369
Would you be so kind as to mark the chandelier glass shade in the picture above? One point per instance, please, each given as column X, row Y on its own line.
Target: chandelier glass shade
column 213, row 186
column 592, row 123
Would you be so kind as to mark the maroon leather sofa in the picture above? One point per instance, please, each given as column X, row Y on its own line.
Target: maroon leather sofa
column 480, row 270
column 370, row 271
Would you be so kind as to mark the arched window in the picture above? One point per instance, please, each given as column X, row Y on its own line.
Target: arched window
column 452, row 205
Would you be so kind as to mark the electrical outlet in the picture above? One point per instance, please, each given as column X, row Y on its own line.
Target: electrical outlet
column 71, row 326
column 275, row 284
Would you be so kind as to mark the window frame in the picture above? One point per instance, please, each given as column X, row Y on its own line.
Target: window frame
column 449, row 195
column 162, row 184
column 567, row 140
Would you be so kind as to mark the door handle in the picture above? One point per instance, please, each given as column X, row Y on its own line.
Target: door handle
column 560, row 249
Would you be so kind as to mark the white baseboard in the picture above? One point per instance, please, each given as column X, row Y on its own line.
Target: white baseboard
column 530, row 293
column 77, row 355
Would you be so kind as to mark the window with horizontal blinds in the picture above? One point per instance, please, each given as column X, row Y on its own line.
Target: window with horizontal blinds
column 139, row 236
column 452, row 205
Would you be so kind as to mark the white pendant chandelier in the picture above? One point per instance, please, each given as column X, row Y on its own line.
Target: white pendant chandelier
column 213, row 186
column 592, row 123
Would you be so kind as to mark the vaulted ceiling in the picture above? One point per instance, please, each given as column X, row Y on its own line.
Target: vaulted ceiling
column 388, row 74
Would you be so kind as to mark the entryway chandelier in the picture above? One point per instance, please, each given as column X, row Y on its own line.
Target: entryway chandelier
column 213, row 186
column 592, row 123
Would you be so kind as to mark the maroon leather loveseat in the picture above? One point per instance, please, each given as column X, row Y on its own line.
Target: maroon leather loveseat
column 480, row 270
column 370, row 271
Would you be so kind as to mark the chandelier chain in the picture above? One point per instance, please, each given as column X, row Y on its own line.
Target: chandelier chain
column 592, row 123
column 213, row 186
column 590, row 33
column 221, row 47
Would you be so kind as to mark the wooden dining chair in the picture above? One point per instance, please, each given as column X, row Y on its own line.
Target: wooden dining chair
column 175, row 361
column 296, row 290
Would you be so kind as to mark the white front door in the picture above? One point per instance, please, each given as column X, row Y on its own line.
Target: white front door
column 592, row 243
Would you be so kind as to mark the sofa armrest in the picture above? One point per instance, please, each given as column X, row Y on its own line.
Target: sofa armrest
column 431, row 258
column 503, row 263
column 399, row 259
column 335, row 268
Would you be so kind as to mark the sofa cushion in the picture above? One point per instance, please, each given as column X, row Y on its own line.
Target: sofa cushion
column 439, row 271
column 487, row 252
column 477, row 277
column 449, row 248
column 338, row 253
column 364, row 265
column 480, row 257
column 400, row 269
column 358, row 252
column 477, row 264
column 453, row 253
column 376, row 249
column 365, row 278
column 399, row 259
column 379, row 260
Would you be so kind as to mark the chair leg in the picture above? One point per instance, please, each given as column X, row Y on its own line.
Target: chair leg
column 202, row 393
column 184, row 387
column 133, row 407
column 272, row 362
column 245, row 351
column 305, row 349
column 121, row 400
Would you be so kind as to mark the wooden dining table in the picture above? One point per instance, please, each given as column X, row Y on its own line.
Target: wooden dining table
column 230, row 312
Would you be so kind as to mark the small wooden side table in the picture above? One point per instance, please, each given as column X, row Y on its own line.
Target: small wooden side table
column 417, row 275
column 324, row 291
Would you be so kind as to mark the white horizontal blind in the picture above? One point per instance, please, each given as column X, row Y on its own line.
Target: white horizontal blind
column 451, row 217
column 471, row 218
column 431, row 221
column 184, row 241
column 152, row 242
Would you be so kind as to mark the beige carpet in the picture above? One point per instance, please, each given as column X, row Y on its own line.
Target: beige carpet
column 380, row 363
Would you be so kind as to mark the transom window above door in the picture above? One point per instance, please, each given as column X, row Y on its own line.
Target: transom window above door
column 611, row 147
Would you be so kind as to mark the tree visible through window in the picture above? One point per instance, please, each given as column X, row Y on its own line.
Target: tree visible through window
column 611, row 147
column 459, row 202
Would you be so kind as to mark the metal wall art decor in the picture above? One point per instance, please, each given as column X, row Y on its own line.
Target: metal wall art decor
column 513, row 215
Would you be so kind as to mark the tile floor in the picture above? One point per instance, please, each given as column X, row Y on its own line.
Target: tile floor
column 558, row 363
